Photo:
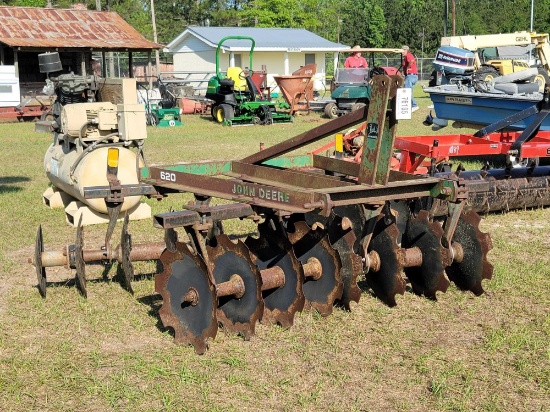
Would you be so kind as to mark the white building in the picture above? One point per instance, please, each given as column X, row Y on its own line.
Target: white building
column 281, row 51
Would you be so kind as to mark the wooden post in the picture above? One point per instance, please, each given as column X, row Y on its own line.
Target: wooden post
column 83, row 63
column 157, row 58
column 131, row 65
column 150, row 70
column 16, row 62
column 103, row 63
column 454, row 17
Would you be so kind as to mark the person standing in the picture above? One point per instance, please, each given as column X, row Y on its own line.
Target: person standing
column 355, row 60
column 410, row 70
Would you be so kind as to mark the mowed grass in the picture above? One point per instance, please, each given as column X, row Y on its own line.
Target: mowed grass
column 110, row 352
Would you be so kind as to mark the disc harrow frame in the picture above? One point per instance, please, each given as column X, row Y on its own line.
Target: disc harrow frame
column 323, row 229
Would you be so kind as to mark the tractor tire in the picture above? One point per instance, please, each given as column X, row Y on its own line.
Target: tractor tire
column 542, row 79
column 482, row 78
column 486, row 74
column 224, row 113
column 213, row 109
column 330, row 111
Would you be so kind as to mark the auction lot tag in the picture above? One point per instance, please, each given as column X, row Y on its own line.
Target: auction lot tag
column 404, row 104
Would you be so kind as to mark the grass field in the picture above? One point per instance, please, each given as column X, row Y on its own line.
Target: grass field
column 111, row 353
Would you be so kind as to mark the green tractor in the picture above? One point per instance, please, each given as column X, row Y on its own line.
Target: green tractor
column 236, row 98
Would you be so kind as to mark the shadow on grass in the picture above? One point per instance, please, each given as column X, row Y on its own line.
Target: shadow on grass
column 154, row 302
column 364, row 286
column 71, row 283
column 243, row 236
column 6, row 183
column 117, row 277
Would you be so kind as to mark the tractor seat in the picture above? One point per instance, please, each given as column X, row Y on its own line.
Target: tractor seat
column 227, row 83
column 233, row 74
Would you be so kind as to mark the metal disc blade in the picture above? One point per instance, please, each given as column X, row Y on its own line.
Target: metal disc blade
column 388, row 280
column 40, row 270
column 322, row 293
column 468, row 274
column 428, row 278
column 273, row 249
column 192, row 324
column 356, row 214
column 126, row 249
column 352, row 266
column 79, row 260
column 237, row 315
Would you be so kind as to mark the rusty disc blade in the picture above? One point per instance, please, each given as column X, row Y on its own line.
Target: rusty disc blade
column 193, row 324
column 428, row 278
column 126, row 249
column 388, row 280
column 79, row 260
column 40, row 270
column 272, row 249
column 322, row 293
column 227, row 259
column 468, row 274
column 352, row 266
column 357, row 217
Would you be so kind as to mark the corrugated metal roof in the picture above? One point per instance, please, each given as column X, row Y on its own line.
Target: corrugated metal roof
column 34, row 27
column 267, row 39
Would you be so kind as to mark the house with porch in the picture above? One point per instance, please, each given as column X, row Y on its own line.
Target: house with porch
column 279, row 50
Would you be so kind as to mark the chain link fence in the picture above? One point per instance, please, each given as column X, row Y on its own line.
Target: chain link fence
column 117, row 65
column 425, row 65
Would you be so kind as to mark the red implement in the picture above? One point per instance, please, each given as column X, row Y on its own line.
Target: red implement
column 416, row 152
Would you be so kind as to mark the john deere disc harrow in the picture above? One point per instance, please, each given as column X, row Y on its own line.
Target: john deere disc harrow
column 318, row 234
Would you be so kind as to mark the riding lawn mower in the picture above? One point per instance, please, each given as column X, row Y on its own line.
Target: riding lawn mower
column 236, row 98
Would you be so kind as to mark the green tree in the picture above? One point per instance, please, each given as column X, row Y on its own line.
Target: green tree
column 135, row 12
column 281, row 13
column 29, row 3
column 363, row 23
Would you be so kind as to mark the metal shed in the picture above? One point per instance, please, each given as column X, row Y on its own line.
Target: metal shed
column 26, row 32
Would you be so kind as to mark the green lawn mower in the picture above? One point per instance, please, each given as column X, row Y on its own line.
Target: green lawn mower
column 237, row 100
column 163, row 111
column 164, row 117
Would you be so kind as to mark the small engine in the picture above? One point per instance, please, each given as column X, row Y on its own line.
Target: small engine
column 89, row 135
column 454, row 60
column 103, row 120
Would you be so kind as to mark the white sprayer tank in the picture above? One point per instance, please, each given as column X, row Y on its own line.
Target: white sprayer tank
column 90, row 171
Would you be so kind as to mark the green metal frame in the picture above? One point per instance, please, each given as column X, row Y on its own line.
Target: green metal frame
column 233, row 38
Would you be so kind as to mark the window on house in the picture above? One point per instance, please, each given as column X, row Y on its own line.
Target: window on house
column 310, row 58
column 238, row 61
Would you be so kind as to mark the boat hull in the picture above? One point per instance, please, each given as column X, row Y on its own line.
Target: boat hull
column 482, row 108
